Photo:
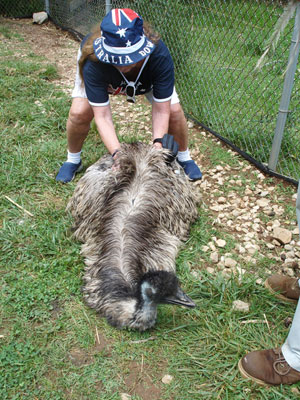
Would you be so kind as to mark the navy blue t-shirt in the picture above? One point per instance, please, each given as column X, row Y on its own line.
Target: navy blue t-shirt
column 101, row 79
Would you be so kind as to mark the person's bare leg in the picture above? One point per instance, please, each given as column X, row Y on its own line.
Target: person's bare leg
column 178, row 126
column 78, row 124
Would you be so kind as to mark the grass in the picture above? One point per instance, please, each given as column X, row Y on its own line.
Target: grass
column 52, row 345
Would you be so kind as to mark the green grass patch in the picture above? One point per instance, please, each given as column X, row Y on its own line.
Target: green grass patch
column 52, row 345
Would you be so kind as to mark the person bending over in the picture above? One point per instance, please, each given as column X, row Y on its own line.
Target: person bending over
column 126, row 57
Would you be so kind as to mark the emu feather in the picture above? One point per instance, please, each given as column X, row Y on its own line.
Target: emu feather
column 132, row 220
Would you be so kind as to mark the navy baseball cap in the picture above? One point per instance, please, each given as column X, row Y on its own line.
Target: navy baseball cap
column 122, row 40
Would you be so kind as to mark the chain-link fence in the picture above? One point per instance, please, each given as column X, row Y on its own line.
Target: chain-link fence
column 215, row 46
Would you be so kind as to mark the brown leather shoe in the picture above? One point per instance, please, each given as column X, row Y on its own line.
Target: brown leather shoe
column 284, row 288
column 268, row 367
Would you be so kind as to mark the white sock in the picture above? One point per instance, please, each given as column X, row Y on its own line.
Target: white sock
column 184, row 155
column 74, row 157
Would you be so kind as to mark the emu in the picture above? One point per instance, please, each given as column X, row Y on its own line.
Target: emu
column 132, row 220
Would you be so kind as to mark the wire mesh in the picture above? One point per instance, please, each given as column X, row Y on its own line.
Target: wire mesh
column 215, row 45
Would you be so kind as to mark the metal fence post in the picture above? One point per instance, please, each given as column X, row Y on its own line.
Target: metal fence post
column 47, row 7
column 107, row 6
column 286, row 94
column 298, row 207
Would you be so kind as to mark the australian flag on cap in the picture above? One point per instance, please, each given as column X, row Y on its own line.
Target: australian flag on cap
column 122, row 40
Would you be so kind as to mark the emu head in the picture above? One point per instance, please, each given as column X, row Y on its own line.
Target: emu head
column 162, row 287
column 157, row 287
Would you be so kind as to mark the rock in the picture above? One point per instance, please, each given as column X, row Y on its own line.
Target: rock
column 216, row 208
column 289, row 261
column 222, row 200
column 221, row 243
column 210, row 270
column 295, row 391
column 40, row 17
column 278, row 210
column 167, row 379
column 288, row 271
column 270, row 246
column 239, row 305
column 241, row 249
column 264, row 194
column 282, row 235
column 196, row 274
column 270, row 212
column 212, row 246
column 296, row 231
column 125, row 396
column 290, row 254
column 205, row 249
column 251, row 248
column 288, row 321
column 230, row 263
column 214, row 257
column 263, row 202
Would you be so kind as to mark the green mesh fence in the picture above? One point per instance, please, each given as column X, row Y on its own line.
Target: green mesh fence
column 215, row 46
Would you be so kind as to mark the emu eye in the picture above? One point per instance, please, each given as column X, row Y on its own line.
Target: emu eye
column 149, row 293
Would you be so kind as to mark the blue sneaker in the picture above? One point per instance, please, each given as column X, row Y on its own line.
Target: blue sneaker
column 191, row 169
column 68, row 171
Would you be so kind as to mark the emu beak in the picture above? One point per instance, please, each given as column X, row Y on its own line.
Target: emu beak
column 180, row 299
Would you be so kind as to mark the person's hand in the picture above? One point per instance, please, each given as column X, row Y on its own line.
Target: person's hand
column 116, row 164
column 157, row 145
column 168, row 142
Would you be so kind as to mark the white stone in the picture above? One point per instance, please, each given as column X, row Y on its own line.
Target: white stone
column 212, row 246
column 289, row 272
column 221, row 243
column 125, row 396
column 289, row 261
column 263, row 202
column 264, row 194
column 214, row 257
column 205, row 249
column 283, row 235
column 195, row 274
column 288, row 247
column 239, row 305
column 210, row 270
column 40, row 17
column 230, row 263
column 296, row 231
column 222, row 200
column 216, row 208
column 290, row 254
column 167, row 379
column 270, row 246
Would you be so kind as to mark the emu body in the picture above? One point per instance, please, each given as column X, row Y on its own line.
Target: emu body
column 132, row 220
